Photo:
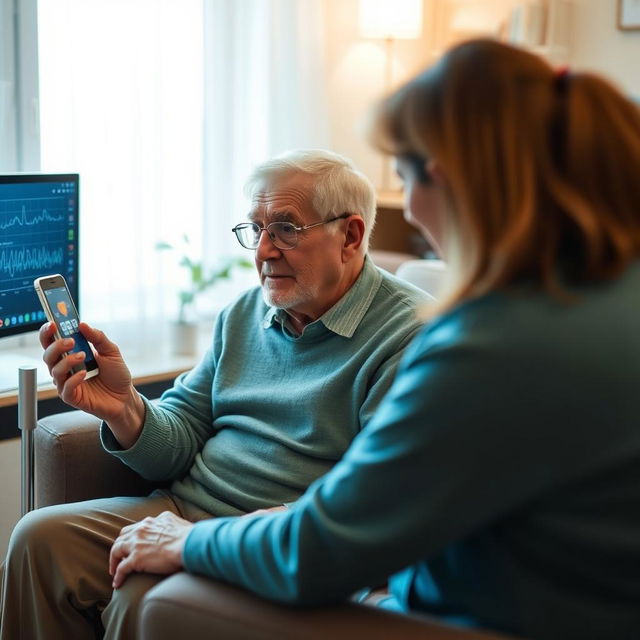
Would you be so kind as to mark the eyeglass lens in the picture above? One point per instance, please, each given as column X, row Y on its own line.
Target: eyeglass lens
column 282, row 234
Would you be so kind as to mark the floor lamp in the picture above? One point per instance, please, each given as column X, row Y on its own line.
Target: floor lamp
column 390, row 20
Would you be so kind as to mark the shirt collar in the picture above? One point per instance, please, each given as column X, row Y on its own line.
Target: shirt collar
column 346, row 314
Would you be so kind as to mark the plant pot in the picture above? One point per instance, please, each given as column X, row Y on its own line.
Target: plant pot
column 184, row 338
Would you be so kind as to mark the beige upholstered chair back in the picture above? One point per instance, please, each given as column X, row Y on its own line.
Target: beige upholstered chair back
column 426, row 274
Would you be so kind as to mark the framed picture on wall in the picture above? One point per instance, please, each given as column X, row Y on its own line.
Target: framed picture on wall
column 628, row 14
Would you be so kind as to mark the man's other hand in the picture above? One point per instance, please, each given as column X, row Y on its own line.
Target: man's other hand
column 153, row 545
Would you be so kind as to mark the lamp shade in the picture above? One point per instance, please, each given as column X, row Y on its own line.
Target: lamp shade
column 396, row 19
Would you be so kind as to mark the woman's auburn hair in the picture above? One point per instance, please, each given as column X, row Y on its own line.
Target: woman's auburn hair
column 542, row 167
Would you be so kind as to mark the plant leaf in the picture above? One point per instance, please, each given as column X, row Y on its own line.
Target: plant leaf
column 196, row 273
column 186, row 261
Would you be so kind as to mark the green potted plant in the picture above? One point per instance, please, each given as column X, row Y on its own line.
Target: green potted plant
column 199, row 279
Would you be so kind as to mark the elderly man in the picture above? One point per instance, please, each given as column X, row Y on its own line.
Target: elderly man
column 295, row 370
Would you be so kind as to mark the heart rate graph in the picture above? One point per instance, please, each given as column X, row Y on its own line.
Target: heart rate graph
column 34, row 238
column 23, row 220
column 38, row 237
column 37, row 260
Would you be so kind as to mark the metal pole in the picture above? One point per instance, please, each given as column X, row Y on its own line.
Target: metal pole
column 27, row 420
column 385, row 184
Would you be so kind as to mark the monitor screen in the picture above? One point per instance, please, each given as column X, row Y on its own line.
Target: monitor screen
column 38, row 237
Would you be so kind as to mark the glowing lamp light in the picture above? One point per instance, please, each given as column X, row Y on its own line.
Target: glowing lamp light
column 390, row 19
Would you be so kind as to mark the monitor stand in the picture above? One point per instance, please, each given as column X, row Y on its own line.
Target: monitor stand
column 10, row 362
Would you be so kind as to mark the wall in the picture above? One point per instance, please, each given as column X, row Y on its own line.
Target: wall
column 599, row 45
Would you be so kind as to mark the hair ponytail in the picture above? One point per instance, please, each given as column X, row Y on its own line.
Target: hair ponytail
column 597, row 183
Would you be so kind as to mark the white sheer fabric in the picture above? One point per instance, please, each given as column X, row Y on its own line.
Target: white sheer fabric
column 163, row 120
column 265, row 93
column 121, row 103
column 20, row 150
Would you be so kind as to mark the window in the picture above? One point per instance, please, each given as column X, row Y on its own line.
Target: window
column 121, row 98
column 163, row 107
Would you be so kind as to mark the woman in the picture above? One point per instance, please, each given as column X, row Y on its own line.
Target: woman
column 500, row 480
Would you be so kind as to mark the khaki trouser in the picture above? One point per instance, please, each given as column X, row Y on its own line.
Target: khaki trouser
column 56, row 581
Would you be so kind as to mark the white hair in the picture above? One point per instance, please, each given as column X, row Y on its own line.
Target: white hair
column 338, row 187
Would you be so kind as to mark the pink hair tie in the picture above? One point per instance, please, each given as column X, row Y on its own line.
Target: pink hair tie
column 561, row 77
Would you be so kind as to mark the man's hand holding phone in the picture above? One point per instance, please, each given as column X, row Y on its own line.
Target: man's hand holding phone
column 110, row 396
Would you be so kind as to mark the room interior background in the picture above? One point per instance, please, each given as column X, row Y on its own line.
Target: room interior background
column 164, row 105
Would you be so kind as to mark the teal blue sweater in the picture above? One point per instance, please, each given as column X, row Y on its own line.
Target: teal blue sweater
column 267, row 412
column 499, row 480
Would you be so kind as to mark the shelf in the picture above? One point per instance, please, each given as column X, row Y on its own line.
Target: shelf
column 390, row 200
column 392, row 233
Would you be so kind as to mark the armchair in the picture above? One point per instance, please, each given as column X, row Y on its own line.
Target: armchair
column 71, row 465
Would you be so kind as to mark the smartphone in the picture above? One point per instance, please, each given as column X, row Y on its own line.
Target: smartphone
column 59, row 307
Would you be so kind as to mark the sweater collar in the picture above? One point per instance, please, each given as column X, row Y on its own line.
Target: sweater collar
column 346, row 314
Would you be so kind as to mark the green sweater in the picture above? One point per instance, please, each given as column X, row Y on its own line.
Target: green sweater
column 266, row 412
column 500, row 478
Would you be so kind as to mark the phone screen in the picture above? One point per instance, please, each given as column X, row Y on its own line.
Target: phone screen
column 67, row 321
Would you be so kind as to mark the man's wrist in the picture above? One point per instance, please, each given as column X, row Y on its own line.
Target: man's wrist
column 127, row 427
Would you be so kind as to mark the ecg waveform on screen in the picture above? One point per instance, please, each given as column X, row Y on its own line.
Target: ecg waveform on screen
column 24, row 221
column 40, row 259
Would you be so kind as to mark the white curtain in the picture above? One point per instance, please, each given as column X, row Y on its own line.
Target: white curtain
column 264, row 93
column 163, row 106
column 19, row 148
column 121, row 103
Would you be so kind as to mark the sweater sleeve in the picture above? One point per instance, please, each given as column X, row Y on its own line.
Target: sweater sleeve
column 175, row 428
column 442, row 458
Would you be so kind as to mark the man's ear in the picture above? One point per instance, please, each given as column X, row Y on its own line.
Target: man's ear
column 354, row 237
column 435, row 170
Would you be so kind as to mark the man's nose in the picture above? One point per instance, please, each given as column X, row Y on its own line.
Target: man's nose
column 266, row 249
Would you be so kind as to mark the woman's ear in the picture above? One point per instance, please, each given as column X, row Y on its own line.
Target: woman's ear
column 434, row 169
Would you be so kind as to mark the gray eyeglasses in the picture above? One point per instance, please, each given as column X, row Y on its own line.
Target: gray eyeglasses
column 284, row 235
